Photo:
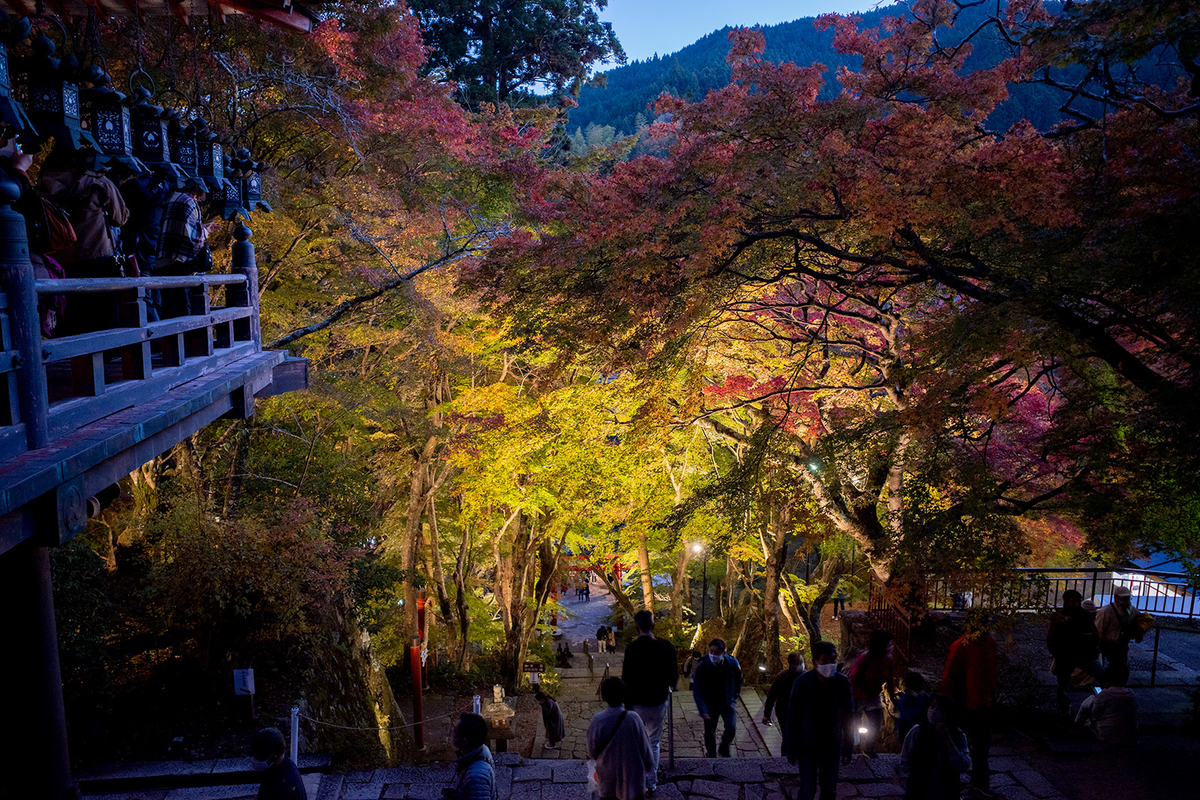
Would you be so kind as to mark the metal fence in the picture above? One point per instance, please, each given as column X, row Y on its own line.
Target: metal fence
column 1157, row 592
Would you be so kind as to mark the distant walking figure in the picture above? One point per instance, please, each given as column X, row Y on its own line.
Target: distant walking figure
column 715, row 688
column 602, row 639
column 616, row 741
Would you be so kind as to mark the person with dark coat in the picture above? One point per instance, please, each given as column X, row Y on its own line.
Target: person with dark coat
column 911, row 704
column 873, row 671
column 933, row 754
column 780, row 693
column 601, row 639
column 280, row 775
column 818, row 715
column 970, row 678
column 649, row 674
column 715, row 688
column 1073, row 644
column 552, row 718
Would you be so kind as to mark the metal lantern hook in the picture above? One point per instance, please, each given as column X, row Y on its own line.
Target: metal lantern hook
column 153, row 89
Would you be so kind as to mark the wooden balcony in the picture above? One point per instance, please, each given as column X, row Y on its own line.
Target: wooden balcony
column 80, row 412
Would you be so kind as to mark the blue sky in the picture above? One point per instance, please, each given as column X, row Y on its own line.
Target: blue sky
column 646, row 27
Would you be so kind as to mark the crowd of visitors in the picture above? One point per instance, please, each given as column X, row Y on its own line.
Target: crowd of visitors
column 823, row 713
column 84, row 220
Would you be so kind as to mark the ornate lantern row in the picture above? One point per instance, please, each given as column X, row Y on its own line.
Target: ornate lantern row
column 12, row 115
column 48, row 89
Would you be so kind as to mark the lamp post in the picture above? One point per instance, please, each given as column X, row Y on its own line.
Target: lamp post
column 697, row 548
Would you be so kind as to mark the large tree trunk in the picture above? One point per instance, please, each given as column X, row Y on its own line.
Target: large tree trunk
column 460, row 600
column 774, row 541
column 237, row 471
column 617, row 592
column 410, row 544
column 679, row 584
column 439, row 573
column 828, row 575
column 647, row 578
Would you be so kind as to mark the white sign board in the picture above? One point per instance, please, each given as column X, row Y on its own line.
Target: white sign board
column 243, row 681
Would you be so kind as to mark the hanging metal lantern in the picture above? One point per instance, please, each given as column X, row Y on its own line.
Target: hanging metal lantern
column 227, row 201
column 106, row 116
column 48, row 89
column 210, row 155
column 150, row 138
column 252, row 199
column 181, row 141
column 12, row 115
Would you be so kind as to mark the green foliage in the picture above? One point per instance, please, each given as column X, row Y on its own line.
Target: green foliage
column 499, row 52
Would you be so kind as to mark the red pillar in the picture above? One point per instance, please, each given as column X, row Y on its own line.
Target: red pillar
column 414, row 657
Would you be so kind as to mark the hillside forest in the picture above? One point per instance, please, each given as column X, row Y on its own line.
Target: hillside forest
column 928, row 305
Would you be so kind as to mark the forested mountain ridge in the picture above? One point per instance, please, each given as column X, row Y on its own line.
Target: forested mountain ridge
column 700, row 67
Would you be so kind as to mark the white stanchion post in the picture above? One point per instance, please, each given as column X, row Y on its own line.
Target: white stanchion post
column 295, row 738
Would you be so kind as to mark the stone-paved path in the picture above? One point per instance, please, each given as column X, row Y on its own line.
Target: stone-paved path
column 699, row 778
column 579, row 702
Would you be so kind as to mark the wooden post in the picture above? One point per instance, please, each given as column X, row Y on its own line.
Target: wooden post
column 33, row 745
column 244, row 263
column 16, row 273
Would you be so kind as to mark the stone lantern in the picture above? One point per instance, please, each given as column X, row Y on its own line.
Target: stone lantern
column 48, row 89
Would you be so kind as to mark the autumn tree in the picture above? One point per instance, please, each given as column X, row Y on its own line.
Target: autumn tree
column 927, row 304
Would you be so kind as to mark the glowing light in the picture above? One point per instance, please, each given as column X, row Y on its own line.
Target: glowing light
column 863, row 730
column 814, row 466
column 696, row 548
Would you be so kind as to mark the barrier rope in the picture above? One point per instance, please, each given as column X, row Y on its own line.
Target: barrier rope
column 377, row 729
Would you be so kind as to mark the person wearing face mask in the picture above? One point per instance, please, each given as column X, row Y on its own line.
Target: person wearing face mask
column 280, row 775
column 716, row 687
column 1114, row 626
column 934, row 754
column 818, row 716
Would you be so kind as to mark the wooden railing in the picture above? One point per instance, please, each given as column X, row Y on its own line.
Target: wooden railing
column 50, row 387
column 888, row 611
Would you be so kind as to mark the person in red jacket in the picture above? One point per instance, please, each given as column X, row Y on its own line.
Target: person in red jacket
column 970, row 678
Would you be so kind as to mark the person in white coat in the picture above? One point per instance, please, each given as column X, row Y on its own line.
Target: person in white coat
column 617, row 742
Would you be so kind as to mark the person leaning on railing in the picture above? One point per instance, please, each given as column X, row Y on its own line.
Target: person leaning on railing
column 95, row 206
column 182, row 244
